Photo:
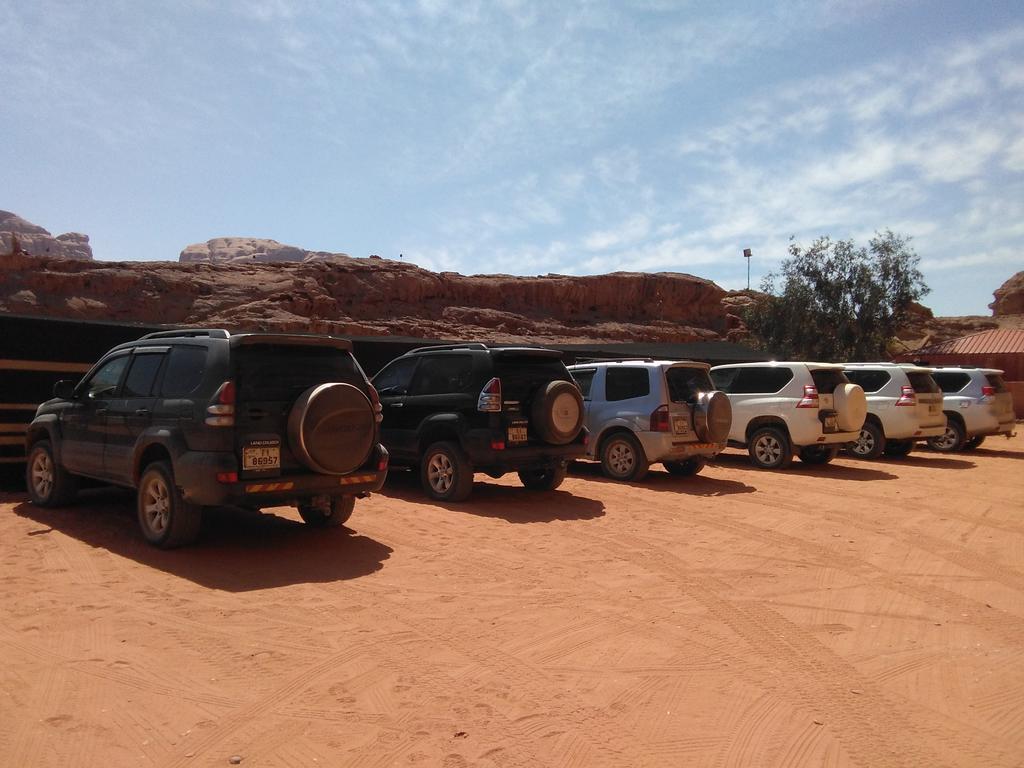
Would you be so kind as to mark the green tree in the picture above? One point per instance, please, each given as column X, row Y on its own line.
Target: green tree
column 835, row 301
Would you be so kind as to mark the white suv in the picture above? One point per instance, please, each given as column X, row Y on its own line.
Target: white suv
column 977, row 404
column 779, row 408
column 904, row 407
column 643, row 411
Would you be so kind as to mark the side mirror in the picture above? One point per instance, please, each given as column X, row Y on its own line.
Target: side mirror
column 64, row 389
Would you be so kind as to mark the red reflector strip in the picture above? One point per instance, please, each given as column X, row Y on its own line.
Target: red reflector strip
column 268, row 487
column 353, row 479
column 227, row 477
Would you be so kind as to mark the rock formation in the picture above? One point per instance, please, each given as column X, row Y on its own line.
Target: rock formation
column 35, row 240
column 223, row 249
column 1009, row 297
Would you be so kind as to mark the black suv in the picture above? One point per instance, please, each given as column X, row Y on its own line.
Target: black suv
column 205, row 418
column 454, row 409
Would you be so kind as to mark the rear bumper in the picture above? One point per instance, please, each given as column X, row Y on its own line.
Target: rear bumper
column 664, row 446
column 478, row 446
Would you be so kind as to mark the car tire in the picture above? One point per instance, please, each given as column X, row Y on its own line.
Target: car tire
column 899, row 449
column 685, row 468
column 623, row 458
column 769, row 448
column 871, row 442
column 445, row 472
column 546, row 479
column 340, row 511
column 166, row 519
column 950, row 441
column 48, row 483
column 974, row 442
column 557, row 412
column 818, row 454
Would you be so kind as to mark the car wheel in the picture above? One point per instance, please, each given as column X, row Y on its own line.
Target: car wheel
column 546, row 479
column 338, row 513
column 974, row 442
column 166, row 519
column 445, row 472
column 871, row 442
column 685, row 468
column 818, row 454
column 49, row 484
column 899, row 448
column 769, row 448
column 623, row 458
column 951, row 440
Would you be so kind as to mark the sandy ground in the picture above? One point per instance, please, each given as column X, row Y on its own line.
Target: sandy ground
column 866, row 614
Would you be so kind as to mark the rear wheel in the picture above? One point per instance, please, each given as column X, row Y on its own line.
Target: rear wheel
column 685, row 468
column 871, row 442
column 623, row 458
column 49, row 484
column 974, row 442
column 951, row 440
column 818, row 454
column 166, row 519
column 546, row 479
column 899, row 448
column 334, row 514
column 770, row 448
column 445, row 472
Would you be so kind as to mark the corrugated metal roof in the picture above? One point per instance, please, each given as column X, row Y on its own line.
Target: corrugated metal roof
column 995, row 342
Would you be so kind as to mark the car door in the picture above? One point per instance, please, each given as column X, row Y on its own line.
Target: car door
column 392, row 384
column 84, row 422
column 131, row 413
column 442, row 385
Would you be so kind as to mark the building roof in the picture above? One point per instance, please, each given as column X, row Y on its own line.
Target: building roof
column 995, row 342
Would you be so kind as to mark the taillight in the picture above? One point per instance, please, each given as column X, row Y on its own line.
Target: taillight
column 383, row 459
column 660, row 420
column 988, row 391
column 222, row 410
column 907, row 396
column 371, row 392
column 810, row 398
column 490, row 397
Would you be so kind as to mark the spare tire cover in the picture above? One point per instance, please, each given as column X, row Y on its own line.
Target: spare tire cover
column 712, row 417
column 557, row 412
column 331, row 428
column 851, row 407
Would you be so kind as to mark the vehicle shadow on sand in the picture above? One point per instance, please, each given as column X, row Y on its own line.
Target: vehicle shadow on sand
column 662, row 481
column 930, row 460
column 504, row 502
column 831, row 471
column 996, row 453
column 237, row 551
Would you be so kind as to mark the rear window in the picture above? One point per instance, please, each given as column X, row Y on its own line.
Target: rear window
column 827, row 379
column 626, row 383
column 684, row 384
column 869, row 381
column 185, row 368
column 440, row 374
column 996, row 382
column 951, row 381
column 755, row 380
column 282, row 373
column 923, row 383
column 521, row 375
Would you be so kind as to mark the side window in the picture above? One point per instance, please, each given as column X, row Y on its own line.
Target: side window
column 104, row 382
column 724, row 378
column 185, row 369
column 440, row 374
column 951, row 382
column 142, row 375
column 759, row 380
column 396, row 374
column 626, row 383
column 869, row 381
column 584, row 379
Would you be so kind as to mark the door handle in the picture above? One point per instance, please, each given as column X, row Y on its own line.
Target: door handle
column 397, row 405
column 101, row 411
column 142, row 411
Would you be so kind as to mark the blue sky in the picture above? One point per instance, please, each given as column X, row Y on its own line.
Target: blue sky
column 525, row 138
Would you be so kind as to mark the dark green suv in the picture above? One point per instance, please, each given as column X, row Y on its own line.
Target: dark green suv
column 206, row 418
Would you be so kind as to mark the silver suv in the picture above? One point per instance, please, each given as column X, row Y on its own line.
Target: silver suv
column 645, row 411
column 977, row 404
column 904, row 407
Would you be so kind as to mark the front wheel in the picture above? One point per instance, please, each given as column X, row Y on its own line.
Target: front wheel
column 623, row 458
column 818, row 454
column 899, row 449
column 445, row 472
column 49, row 484
column 770, row 448
column 546, row 479
column 685, row 468
column 166, row 519
column 951, row 440
column 334, row 514
column 871, row 442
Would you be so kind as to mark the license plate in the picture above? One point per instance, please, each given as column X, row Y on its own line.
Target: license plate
column 517, row 433
column 680, row 424
column 830, row 422
column 261, row 457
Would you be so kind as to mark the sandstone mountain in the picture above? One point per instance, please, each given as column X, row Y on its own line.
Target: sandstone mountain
column 223, row 249
column 33, row 239
column 1009, row 297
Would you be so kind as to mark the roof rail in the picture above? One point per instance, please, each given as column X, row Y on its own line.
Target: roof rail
column 213, row 333
column 466, row 345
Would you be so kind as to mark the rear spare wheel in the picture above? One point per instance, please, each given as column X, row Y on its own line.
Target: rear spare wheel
column 712, row 417
column 557, row 412
column 331, row 428
column 851, row 407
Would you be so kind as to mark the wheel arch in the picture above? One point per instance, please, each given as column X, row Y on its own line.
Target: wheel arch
column 760, row 422
column 148, row 454
column 445, row 427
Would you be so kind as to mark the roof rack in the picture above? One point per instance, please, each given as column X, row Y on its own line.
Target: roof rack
column 466, row 345
column 213, row 333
